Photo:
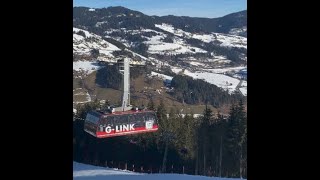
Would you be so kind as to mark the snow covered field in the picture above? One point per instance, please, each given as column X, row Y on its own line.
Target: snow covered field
column 85, row 66
column 156, row 43
column 164, row 77
column 217, row 77
column 89, row 172
column 224, row 39
column 243, row 90
column 157, row 46
column 224, row 70
column 83, row 45
column 171, row 29
column 220, row 80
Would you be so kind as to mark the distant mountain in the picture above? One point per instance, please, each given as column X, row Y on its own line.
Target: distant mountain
column 121, row 17
column 220, row 25
column 201, row 38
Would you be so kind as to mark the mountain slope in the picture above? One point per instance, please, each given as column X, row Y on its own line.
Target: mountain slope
column 102, row 36
column 162, row 37
column 84, row 42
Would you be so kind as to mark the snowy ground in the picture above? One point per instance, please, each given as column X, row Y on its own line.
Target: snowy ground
column 156, row 43
column 220, row 80
column 82, row 94
column 217, row 77
column 88, row 172
column 83, row 45
column 171, row 29
column 85, row 66
column 224, row 70
column 237, row 31
column 243, row 90
column 157, row 46
column 194, row 63
column 163, row 76
column 224, row 39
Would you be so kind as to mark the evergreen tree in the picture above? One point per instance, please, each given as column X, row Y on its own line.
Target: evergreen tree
column 151, row 105
column 207, row 116
column 204, row 135
column 236, row 139
column 95, row 53
column 187, row 131
column 84, row 109
column 243, row 137
column 109, row 77
column 232, row 140
column 162, row 116
column 163, row 131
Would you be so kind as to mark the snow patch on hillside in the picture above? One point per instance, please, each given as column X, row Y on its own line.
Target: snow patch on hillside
column 223, row 39
column 162, row 76
column 86, row 66
column 82, row 45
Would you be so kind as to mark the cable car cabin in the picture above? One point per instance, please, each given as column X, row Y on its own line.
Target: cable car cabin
column 104, row 125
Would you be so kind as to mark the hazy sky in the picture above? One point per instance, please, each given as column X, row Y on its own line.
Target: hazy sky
column 193, row 8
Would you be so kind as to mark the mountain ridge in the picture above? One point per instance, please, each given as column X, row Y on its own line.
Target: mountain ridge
column 190, row 24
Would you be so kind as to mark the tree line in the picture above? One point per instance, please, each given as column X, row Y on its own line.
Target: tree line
column 196, row 91
column 210, row 145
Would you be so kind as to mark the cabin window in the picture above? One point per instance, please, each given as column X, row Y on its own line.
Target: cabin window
column 138, row 119
column 115, row 120
column 149, row 117
column 110, row 120
column 141, row 118
column 132, row 118
column 92, row 118
column 122, row 119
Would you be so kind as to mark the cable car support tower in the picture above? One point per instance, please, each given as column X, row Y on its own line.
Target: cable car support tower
column 124, row 69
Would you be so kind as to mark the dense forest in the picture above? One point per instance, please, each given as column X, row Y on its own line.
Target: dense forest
column 109, row 77
column 210, row 145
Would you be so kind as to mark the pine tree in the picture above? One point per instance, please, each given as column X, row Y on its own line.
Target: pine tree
column 204, row 134
column 83, row 110
column 151, row 105
column 163, row 131
column 172, row 118
column 162, row 116
column 243, row 136
column 236, row 138
column 94, row 53
column 207, row 116
column 233, row 139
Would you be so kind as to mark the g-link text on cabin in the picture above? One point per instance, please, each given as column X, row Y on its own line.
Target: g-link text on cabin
column 120, row 128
